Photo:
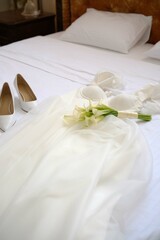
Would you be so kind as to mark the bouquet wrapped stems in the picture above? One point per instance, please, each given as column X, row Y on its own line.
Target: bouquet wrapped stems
column 144, row 117
column 95, row 113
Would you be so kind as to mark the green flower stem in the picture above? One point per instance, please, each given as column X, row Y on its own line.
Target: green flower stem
column 134, row 115
column 144, row 117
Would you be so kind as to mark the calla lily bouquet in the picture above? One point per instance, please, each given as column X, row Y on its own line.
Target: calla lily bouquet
column 92, row 114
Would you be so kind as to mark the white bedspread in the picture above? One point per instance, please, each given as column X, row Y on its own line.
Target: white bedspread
column 53, row 184
column 77, row 63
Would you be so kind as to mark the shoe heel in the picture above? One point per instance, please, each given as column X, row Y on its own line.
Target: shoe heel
column 7, row 112
column 27, row 98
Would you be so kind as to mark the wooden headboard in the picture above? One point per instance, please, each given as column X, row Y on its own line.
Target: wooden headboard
column 69, row 10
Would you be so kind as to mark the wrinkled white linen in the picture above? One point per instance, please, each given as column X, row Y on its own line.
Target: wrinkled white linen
column 108, row 80
column 54, row 185
column 145, row 100
column 49, row 68
column 79, row 63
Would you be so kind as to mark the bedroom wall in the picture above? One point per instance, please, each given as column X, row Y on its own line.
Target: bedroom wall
column 47, row 5
column 4, row 5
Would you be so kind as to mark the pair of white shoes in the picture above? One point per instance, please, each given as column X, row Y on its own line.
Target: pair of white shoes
column 27, row 99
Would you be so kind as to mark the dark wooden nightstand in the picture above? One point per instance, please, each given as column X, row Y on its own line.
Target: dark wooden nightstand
column 15, row 27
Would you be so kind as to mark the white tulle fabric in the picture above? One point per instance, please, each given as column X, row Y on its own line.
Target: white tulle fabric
column 71, row 183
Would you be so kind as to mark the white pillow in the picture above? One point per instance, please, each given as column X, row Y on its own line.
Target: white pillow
column 154, row 52
column 114, row 31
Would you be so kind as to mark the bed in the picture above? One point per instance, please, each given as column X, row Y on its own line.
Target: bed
column 67, row 178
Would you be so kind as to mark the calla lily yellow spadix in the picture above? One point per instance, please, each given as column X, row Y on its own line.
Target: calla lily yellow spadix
column 92, row 114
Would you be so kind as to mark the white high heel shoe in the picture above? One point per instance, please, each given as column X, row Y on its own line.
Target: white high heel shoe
column 27, row 98
column 7, row 112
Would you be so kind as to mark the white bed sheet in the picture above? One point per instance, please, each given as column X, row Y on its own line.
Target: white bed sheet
column 138, row 52
column 53, row 67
